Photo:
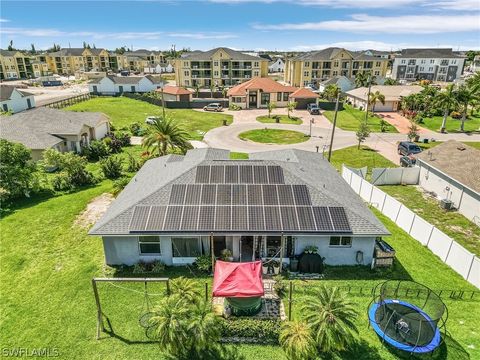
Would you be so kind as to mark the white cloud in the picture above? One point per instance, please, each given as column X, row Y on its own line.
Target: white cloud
column 4, row 20
column 378, row 45
column 460, row 5
column 406, row 24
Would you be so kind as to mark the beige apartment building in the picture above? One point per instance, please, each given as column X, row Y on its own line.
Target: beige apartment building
column 136, row 60
column 317, row 66
column 17, row 65
column 218, row 67
column 70, row 60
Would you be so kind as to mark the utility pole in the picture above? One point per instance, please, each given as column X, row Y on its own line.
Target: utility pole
column 334, row 124
column 163, row 104
column 368, row 97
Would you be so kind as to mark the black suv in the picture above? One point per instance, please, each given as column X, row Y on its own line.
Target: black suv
column 407, row 148
column 313, row 109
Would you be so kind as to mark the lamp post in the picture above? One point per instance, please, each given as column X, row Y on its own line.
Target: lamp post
column 369, row 79
column 334, row 124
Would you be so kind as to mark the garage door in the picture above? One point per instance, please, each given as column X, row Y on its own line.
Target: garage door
column 379, row 107
column 302, row 103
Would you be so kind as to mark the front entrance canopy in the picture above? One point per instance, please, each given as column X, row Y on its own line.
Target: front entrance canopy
column 240, row 280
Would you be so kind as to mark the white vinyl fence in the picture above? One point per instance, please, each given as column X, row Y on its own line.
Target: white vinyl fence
column 395, row 176
column 448, row 250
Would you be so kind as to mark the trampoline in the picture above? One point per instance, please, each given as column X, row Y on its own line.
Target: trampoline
column 408, row 316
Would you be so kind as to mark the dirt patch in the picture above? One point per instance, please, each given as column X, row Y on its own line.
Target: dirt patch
column 95, row 209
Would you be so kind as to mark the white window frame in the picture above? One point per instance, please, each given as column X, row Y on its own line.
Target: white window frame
column 140, row 242
column 341, row 242
column 199, row 243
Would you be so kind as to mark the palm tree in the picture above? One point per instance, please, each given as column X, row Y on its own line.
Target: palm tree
column 447, row 101
column 376, row 96
column 331, row 92
column 185, row 288
column 271, row 106
column 204, row 325
column 466, row 96
column 290, row 107
column 166, row 135
column 364, row 79
column 331, row 318
column 297, row 342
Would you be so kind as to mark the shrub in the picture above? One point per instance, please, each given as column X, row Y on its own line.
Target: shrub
column 123, row 137
column 61, row 182
column 157, row 267
column 383, row 125
column 204, row 263
column 280, row 285
column 96, row 150
column 234, row 107
column 133, row 165
column 267, row 331
column 297, row 341
column 73, row 172
column 111, row 167
column 139, row 268
column 455, row 115
column 119, row 184
column 226, row 254
column 114, row 145
column 52, row 159
column 136, row 129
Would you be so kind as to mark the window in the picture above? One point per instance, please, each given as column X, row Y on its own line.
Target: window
column 132, row 88
column 237, row 99
column 149, row 245
column 285, row 96
column 377, row 73
column 378, row 64
column 345, row 241
column 120, row 89
column 255, row 73
column 255, row 64
column 404, row 61
column 186, row 247
column 5, row 107
column 215, row 63
column 307, row 63
column 335, row 64
column 279, row 96
column 265, row 98
column 430, row 69
column 215, row 73
column 306, row 73
column 335, row 73
column 423, row 61
column 432, row 61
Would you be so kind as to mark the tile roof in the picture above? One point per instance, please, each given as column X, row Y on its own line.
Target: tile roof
column 457, row 160
column 303, row 93
column 174, row 90
column 391, row 92
column 153, row 184
column 258, row 83
column 207, row 55
column 428, row 53
column 325, row 54
column 7, row 90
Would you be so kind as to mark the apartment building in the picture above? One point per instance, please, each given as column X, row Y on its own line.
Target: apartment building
column 428, row 64
column 317, row 66
column 70, row 60
column 17, row 65
column 136, row 60
column 218, row 67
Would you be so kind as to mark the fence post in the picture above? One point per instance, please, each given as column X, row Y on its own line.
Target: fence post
column 430, row 236
column 449, row 248
column 206, row 291
column 411, row 226
column 398, row 213
column 290, row 302
column 383, row 205
column 100, row 326
column 470, row 267
column 360, row 189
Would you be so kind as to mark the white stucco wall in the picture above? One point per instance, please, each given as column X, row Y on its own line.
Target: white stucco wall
column 101, row 131
column 17, row 102
column 107, row 87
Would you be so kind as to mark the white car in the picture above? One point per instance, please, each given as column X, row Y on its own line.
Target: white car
column 150, row 120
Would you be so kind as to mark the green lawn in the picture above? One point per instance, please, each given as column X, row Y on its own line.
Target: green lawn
column 472, row 124
column 451, row 223
column 123, row 111
column 238, row 156
column 274, row 136
column 284, row 119
column 349, row 119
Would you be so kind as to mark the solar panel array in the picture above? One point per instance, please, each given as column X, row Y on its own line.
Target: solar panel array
column 239, row 174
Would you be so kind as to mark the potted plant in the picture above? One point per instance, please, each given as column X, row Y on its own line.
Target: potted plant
column 311, row 249
column 226, row 255
column 265, row 268
column 276, row 267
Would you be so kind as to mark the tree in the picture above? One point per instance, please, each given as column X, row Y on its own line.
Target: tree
column 447, row 101
column 331, row 318
column 270, row 107
column 374, row 97
column 111, row 167
column 297, row 341
column 166, row 135
column 33, row 51
column 10, row 46
column 197, row 89
column 390, row 82
column 466, row 96
column 363, row 132
column 185, row 288
column 412, row 131
column 331, row 92
column 290, row 107
column 364, row 79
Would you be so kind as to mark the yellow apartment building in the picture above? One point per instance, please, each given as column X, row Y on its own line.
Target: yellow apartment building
column 17, row 65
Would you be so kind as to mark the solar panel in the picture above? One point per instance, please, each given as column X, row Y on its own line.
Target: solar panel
column 231, row 174
column 272, row 218
column 254, row 194
column 224, row 194
column 255, row 218
column 155, row 219
column 289, row 218
column 260, row 174
column 285, row 195
column 217, row 174
column 206, row 218
column 193, row 194
column 139, row 218
column 275, row 175
column 239, row 194
column 301, row 195
column 239, row 218
column 270, row 196
column 322, row 218
column 190, row 218
column 339, row 219
column 203, row 174
column 173, row 218
column 246, row 174
column 208, row 194
column 305, row 218
column 223, row 218
column 177, row 195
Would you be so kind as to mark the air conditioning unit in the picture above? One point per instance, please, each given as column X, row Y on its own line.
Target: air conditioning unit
column 446, row 204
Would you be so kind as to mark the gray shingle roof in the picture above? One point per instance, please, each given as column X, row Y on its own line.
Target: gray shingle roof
column 41, row 128
column 207, row 55
column 68, row 52
column 8, row 52
column 128, row 79
column 153, row 183
column 428, row 53
column 7, row 90
column 321, row 55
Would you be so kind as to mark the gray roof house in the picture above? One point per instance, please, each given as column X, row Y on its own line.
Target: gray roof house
column 112, row 85
column 177, row 208
column 15, row 100
column 43, row 128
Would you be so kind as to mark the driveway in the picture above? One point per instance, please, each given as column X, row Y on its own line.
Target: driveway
column 401, row 123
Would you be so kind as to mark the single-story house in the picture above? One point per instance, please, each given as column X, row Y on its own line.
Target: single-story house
column 393, row 96
column 113, row 85
column 303, row 97
column 451, row 170
column 89, row 75
column 15, row 100
column 345, row 84
column 258, row 92
column 277, row 66
column 43, row 128
column 175, row 93
column 177, row 208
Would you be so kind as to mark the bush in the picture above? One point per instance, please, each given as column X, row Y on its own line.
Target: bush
column 61, row 182
column 96, row 150
column 157, row 267
column 456, row 115
column 136, row 129
column 73, row 172
column 133, row 165
column 234, row 107
column 204, row 263
column 266, row 331
column 52, row 159
column 119, row 184
column 123, row 137
column 139, row 268
column 280, row 285
column 114, row 145
column 111, row 167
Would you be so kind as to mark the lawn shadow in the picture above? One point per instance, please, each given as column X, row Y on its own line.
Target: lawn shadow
column 112, row 334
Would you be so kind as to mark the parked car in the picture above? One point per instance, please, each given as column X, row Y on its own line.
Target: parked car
column 150, row 120
column 213, row 107
column 313, row 109
column 408, row 147
column 407, row 161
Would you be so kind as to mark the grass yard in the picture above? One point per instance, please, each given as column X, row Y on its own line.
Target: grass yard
column 349, row 119
column 238, row 156
column 451, row 223
column 274, row 136
column 124, row 111
column 472, row 124
column 284, row 119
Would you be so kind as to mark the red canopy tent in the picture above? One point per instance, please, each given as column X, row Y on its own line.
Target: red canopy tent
column 238, row 279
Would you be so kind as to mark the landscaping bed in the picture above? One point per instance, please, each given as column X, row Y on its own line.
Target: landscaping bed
column 274, row 136
column 282, row 119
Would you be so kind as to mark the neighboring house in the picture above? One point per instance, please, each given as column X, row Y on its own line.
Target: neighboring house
column 113, row 85
column 312, row 68
column 218, row 67
column 277, row 66
column 451, row 170
column 159, row 68
column 303, row 97
column 428, row 64
column 258, row 92
column 15, row 100
column 344, row 83
column 393, row 96
column 175, row 93
column 475, row 64
column 177, row 208
column 43, row 128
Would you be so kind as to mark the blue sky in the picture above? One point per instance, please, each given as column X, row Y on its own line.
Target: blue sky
column 243, row 24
